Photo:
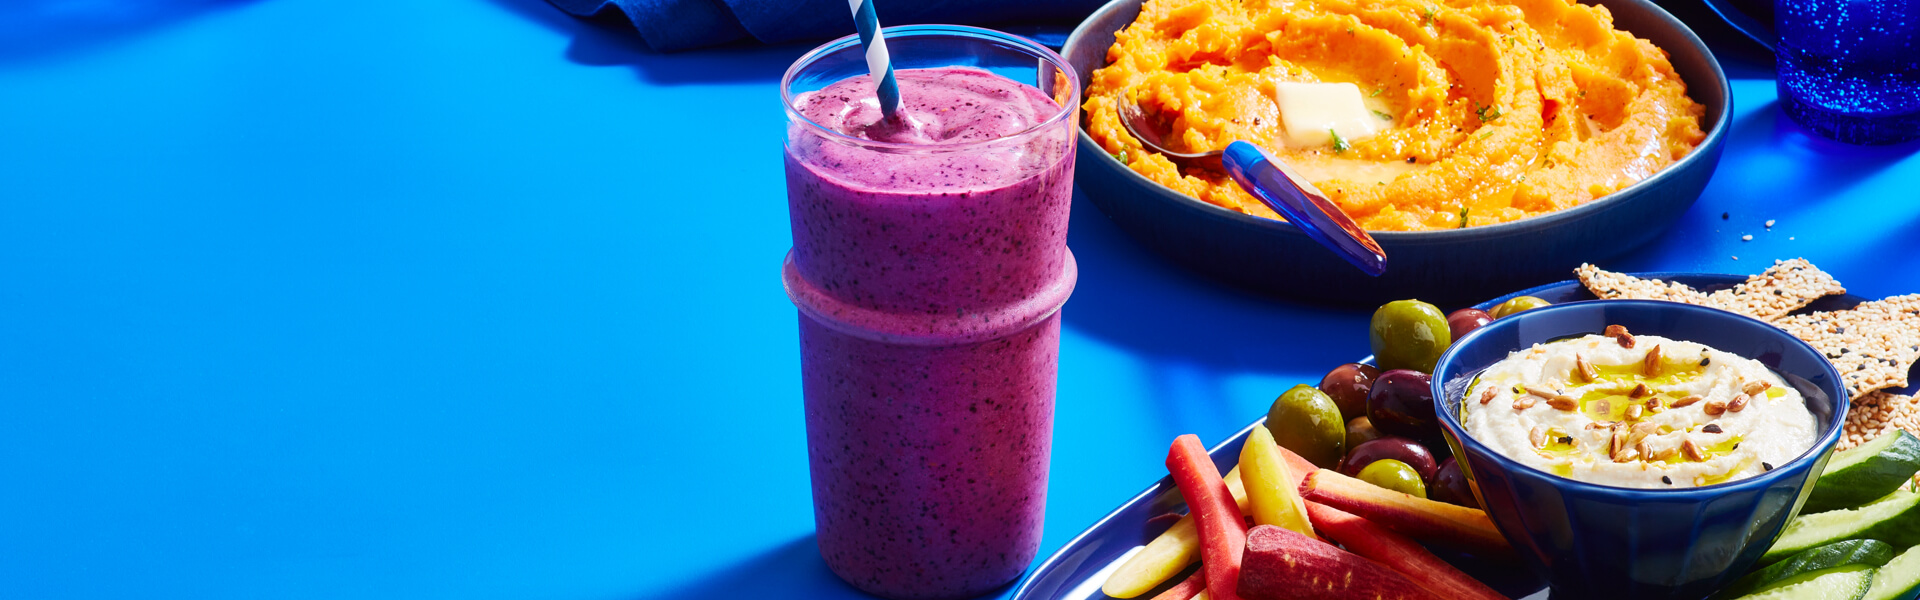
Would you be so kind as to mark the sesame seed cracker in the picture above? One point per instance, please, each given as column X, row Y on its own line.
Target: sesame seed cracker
column 1783, row 288
column 1873, row 346
column 1877, row 414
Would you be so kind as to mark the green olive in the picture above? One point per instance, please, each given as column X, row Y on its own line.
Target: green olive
column 1394, row 475
column 1307, row 422
column 1409, row 334
column 1361, row 431
column 1517, row 305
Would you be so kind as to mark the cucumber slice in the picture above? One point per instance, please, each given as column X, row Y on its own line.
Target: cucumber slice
column 1865, row 473
column 1845, row 583
column 1894, row 520
column 1899, row 579
column 1872, row 553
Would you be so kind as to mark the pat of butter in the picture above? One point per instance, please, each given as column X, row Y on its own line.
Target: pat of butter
column 1310, row 110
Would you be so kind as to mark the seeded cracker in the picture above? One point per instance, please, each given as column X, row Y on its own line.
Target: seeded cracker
column 1873, row 345
column 1610, row 285
column 1877, row 414
column 1783, row 288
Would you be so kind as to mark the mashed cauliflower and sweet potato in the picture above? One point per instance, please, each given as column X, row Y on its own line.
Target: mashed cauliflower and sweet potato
column 1492, row 111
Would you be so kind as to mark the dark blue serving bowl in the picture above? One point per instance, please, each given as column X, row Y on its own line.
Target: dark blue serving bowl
column 1454, row 266
column 1596, row 541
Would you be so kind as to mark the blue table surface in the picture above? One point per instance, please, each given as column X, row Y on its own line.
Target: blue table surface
column 471, row 299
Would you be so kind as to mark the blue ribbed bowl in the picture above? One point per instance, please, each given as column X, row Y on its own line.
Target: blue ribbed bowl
column 1596, row 541
column 1454, row 266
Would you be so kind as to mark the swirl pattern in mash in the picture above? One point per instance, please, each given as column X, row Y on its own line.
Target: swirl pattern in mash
column 1495, row 110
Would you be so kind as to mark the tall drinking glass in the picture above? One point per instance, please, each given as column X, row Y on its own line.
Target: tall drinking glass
column 1849, row 70
column 929, row 265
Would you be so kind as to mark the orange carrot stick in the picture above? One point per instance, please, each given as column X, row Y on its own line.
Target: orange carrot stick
column 1433, row 522
column 1223, row 532
column 1399, row 553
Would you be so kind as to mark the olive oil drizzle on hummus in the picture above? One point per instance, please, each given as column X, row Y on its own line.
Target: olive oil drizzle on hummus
column 1608, row 417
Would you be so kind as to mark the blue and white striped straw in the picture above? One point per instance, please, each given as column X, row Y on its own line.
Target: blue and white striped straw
column 878, row 62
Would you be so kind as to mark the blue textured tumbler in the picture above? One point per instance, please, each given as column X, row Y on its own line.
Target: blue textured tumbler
column 1849, row 70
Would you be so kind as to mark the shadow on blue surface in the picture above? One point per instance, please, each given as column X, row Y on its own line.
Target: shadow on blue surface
column 41, row 29
column 1128, row 295
column 783, row 572
column 1739, row 55
column 608, row 40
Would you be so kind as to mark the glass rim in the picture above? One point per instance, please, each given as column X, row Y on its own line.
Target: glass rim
column 906, row 31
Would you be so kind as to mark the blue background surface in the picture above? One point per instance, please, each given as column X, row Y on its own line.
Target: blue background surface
column 444, row 298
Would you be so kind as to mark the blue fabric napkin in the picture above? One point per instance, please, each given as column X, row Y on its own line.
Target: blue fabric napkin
column 669, row 25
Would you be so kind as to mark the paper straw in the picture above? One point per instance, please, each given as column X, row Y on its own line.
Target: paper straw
column 878, row 62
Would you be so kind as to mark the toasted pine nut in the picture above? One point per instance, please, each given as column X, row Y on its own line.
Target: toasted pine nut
column 1634, row 411
column 1487, row 396
column 1715, row 407
column 1755, row 388
column 1687, row 401
column 1739, row 402
column 1585, row 370
column 1693, row 450
column 1619, row 334
column 1523, row 402
column 1622, row 451
column 1639, row 391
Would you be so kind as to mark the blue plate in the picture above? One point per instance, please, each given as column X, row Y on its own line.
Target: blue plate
column 1446, row 267
column 1078, row 569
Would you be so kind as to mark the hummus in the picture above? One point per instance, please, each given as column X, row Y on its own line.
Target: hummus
column 1492, row 110
column 1594, row 410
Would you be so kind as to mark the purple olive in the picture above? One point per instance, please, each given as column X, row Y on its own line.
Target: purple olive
column 1348, row 385
column 1467, row 319
column 1394, row 447
column 1401, row 403
column 1449, row 485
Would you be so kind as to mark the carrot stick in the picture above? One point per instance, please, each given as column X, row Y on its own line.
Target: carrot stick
column 1223, row 532
column 1179, row 545
column 1433, row 522
column 1187, row 589
column 1167, row 554
column 1273, row 492
column 1399, row 553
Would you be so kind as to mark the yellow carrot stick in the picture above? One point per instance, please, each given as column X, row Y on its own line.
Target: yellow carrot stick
column 1167, row 555
column 1272, row 497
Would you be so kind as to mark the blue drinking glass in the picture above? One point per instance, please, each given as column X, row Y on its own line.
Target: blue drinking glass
column 1849, row 70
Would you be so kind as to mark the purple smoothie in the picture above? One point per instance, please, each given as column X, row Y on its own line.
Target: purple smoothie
column 929, row 275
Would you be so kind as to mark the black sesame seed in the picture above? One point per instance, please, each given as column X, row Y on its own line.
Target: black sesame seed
column 1666, row 480
column 1736, row 445
column 1704, row 361
column 1566, row 439
column 1409, row 160
column 1766, row 466
column 1711, row 428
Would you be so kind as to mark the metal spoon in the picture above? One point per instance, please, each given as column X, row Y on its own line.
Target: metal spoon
column 1274, row 184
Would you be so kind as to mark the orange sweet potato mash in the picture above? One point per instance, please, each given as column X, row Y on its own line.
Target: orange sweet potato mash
column 1496, row 110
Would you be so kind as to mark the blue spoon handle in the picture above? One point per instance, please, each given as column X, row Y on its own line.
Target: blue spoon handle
column 1303, row 206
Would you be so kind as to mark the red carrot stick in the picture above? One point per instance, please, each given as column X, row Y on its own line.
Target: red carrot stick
column 1186, row 590
column 1223, row 532
column 1399, row 553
